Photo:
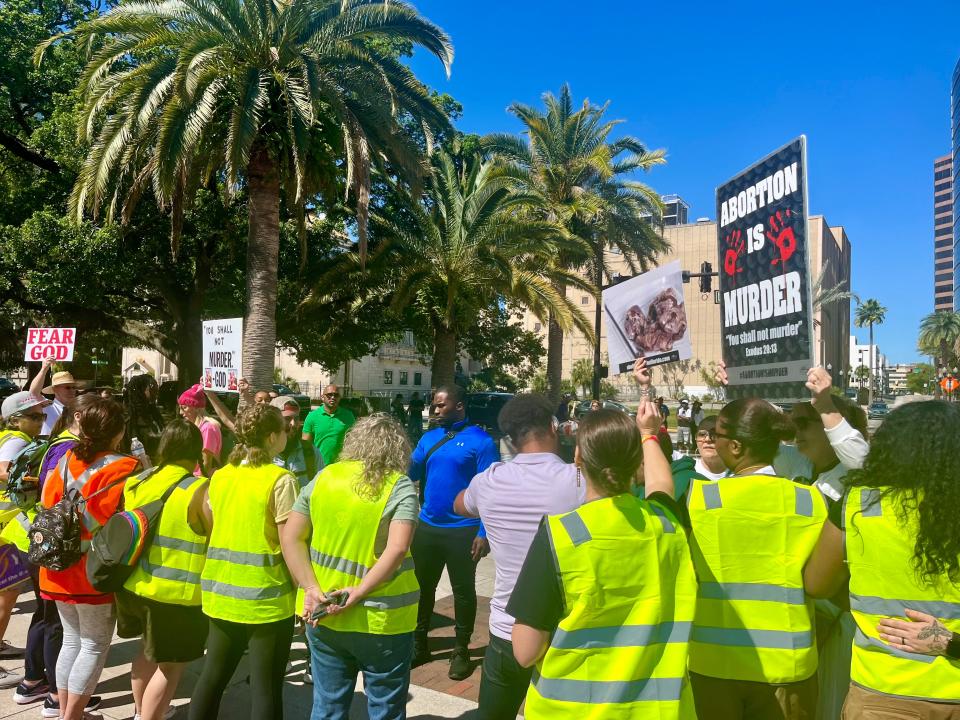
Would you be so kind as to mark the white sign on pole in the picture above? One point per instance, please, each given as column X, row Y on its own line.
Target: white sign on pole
column 56, row 343
column 222, row 359
column 646, row 318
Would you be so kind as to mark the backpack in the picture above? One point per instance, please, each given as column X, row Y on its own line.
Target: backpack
column 116, row 549
column 23, row 488
column 54, row 535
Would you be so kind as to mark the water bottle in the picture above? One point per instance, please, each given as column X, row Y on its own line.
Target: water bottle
column 137, row 450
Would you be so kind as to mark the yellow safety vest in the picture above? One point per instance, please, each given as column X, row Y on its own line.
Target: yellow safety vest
column 342, row 553
column 12, row 532
column 752, row 535
column 883, row 582
column 244, row 578
column 630, row 594
column 169, row 569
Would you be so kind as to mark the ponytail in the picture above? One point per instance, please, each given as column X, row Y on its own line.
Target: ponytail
column 254, row 426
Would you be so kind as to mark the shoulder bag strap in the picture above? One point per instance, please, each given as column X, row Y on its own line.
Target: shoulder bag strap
column 447, row 437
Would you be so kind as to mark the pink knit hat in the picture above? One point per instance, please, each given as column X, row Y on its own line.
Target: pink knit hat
column 193, row 397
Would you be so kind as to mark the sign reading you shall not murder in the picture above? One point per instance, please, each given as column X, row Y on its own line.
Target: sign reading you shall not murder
column 222, row 359
column 765, row 296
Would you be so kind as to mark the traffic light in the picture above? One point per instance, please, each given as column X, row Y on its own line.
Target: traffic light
column 706, row 279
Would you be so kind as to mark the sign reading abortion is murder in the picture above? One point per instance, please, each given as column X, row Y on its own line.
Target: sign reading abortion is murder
column 56, row 343
column 765, row 296
column 222, row 359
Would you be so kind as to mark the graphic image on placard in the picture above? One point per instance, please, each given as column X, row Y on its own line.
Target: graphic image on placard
column 646, row 317
column 222, row 354
column 765, row 294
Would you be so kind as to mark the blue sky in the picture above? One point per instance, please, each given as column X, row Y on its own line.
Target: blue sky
column 719, row 85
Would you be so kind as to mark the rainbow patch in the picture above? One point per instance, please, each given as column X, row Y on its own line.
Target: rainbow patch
column 137, row 521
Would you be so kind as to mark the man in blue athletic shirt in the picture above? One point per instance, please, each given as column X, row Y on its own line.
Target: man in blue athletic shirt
column 444, row 462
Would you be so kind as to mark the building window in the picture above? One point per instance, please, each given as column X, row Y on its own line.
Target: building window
column 584, row 300
column 404, row 375
column 537, row 327
column 388, row 377
column 418, row 378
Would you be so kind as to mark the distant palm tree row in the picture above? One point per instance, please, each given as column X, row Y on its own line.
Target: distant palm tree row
column 273, row 100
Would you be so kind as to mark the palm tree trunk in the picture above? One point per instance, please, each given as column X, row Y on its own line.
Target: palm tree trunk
column 444, row 356
column 555, row 352
column 597, row 317
column 263, row 250
column 873, row 369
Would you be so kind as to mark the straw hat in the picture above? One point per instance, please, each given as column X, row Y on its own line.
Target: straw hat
column 62, row 378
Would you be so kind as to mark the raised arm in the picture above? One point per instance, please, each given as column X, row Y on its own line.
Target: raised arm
column 222, row 411
column 36, row 385
column 847, row 442
column 656, row 468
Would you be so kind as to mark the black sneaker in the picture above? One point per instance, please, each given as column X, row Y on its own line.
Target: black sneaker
column 421, row 652
column 8, row 651
column 27, row 694
column 460, row 665
column 51, row 706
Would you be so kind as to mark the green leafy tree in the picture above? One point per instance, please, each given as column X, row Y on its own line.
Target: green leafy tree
column 868, row 314
column 574, row 170
column 940, row 336
column 608, row 391
column 921, row 380
column 468, row 245
column 271, row 95
column 862, row 375
column 581, row 375
column 499, row 341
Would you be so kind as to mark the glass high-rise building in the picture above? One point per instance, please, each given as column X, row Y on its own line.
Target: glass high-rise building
column 955, row 146
column 943, row 256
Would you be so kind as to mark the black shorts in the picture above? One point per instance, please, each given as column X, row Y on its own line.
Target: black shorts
column 171, row 633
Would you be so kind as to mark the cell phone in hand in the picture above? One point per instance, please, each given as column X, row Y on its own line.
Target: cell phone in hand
column 333, row 598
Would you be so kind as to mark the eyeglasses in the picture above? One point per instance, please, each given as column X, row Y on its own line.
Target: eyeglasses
column 706, row 435
column 331, row 395
column 33, row 416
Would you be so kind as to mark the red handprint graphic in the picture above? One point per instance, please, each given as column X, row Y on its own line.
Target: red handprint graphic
column 735, row 248
column 782, row 237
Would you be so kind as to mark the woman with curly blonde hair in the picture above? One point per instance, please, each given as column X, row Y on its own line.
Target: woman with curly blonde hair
column 347, row 543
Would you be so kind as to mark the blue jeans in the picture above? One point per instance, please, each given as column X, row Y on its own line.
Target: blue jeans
column 337, row 657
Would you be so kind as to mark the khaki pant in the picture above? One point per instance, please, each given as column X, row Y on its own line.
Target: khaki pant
column 868, row 705
column 719, row 699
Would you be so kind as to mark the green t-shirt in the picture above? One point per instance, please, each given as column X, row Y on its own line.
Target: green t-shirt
column 403, row 504
column 328, row 431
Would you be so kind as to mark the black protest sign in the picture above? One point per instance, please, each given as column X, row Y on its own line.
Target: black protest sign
column 765, row 303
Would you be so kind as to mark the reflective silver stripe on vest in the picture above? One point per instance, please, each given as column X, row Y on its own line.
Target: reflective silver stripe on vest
column 872, row 644
column 752, row 591
column 69, row 483
column 168, row 573
column 621, row 636
column 894, row 608
column 743, row 637
column 711, row 497
column 576, row 529
column 609, row 691
column 245, row 593
column 23, row 521
column 804, row 501
column 349, row 567
column 238, row 557
column 171, row 543
column 664, row 520
column 870, row 503
column 392, row 602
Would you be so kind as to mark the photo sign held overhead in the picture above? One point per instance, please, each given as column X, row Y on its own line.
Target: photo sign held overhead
column 646, row 317
column 222, row 355
column 765, row 284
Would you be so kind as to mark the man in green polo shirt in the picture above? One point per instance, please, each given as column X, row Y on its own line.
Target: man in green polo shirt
column 326, row 426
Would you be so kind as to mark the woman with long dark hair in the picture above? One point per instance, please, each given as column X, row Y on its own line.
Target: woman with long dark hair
column 144, row 420
column 897, row 539
column 607, row 593
column 93, row 465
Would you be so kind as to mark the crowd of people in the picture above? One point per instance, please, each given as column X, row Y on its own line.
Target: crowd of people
column 784, row 566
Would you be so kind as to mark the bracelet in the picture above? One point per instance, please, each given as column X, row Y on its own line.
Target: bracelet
column 651, row 437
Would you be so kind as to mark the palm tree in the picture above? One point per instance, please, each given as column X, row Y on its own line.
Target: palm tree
column 565, row 164
column 869, row 313
column 468, row 243
column 940, row 336
column 267, row 96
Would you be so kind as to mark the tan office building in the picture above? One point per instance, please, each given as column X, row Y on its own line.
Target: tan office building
column 692, row 244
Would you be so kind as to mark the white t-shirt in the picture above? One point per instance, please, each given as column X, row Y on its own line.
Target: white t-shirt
column 700, row 468
column 53, row 411
column 9, row 450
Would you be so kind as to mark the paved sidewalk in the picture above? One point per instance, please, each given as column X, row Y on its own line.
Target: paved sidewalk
column 431, row 698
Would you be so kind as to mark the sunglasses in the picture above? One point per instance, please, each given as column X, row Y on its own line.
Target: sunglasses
column 331, row 395
column 706, row 435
